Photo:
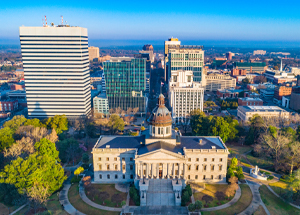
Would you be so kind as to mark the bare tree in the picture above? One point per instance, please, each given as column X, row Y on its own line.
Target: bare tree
column 72, row 152
column 230, row 191
column 129, row 111
column 292, row 155
column 38, row 194
column 135, row 110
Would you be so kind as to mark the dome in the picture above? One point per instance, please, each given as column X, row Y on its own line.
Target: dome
column 161, row 115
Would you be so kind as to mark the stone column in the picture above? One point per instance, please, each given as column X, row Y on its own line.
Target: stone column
column 147, row 170
column 179, row 170
column 142, row 174
column 136, row 170
column 168, row 171
column 157, row 171
column 173, row 175
column 184, row 170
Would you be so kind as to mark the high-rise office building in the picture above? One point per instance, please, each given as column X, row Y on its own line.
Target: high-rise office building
column 187, row 58
column 174, row 42
column 148, row 68
column 125, row 80
column 185, row 95
column 93, row 53
column 56, row 70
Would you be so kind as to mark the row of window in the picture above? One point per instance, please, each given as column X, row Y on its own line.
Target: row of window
column 205, row 159
column 115, row 167
column 115, row 159
column 204, row 177
column 116, row 176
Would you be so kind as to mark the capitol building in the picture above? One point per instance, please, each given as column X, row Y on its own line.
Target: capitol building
column 160, row 153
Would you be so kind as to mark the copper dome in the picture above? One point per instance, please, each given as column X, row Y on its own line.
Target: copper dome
column 161, row 115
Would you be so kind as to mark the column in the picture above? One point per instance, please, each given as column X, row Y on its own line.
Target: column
column 173, row 175
column 147, row 170
column 136, row 170
column 179, row 170
column 168, row 171
column 152, row 172
column 142, row 175
column 184, row 170
column 157, row 171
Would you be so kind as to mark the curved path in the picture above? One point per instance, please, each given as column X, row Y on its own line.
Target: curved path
column 236, row 197
column 93, row 204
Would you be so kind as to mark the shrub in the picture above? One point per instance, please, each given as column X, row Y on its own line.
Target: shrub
column 85, row 158
column 191, row 207
column 270, row 177
column 123, row 203
column 207, row 199
column 198, row 205
column 185, row 197
column 76, row 179
column 134, row 194
column 188, row 188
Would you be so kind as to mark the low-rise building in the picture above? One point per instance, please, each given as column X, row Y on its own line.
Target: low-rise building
column 248, row 101
column 214, row 82
column 266, row 85
column 236, row 71
column 267, row 93
column 285, row 102
column 100, row 104
column 17, row 94
column 251, row 94
column 246, row 112
column 279, row 92
column 251, row 67
column 8, row 105
column 228, row 93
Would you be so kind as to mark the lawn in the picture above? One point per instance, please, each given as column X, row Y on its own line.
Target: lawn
column 236, row 208
column 260, row 211
column 211, row 189
column 260, row 161
column 54, row 206
column 279, row 187
column 81, row 206
column 5, row 210
column 274, row 204
column 114, row 197
column 239, row 149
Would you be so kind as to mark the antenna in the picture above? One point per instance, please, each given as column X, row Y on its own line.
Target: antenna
column 46, row 20
column 62, row 20
column 43, row 22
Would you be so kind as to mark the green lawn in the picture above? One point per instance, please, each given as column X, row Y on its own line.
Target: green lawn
column 211, row 189
column 260, row 161
column 239, row 149
column 236, row 208
column 54, row 206
column 279, row 187
column 81, row 206
column 5, row 209
column 274, row 204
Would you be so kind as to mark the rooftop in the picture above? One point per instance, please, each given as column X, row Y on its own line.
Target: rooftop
column 250, row 99
column 262, row 108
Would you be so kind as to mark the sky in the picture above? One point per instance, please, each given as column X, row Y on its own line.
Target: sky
column 236, row 21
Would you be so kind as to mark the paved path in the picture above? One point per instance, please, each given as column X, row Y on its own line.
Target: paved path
column 93, row 204
column 20, row 208
column 63, row 199
column 236, row 197
column 256, row 200
column 160, row 192
column 124, row 188
column 155, row 210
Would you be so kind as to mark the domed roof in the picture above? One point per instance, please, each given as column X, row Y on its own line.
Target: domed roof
column 161, row 115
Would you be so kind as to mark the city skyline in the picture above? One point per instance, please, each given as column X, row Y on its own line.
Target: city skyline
column 132, row 22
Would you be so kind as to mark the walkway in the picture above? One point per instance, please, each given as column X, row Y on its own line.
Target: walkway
column 154, row 210
column 236, row 197
column 160, row 192
column 63, row 199
column 93, row 204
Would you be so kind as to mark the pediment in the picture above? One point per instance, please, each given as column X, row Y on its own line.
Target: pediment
column 160, row 154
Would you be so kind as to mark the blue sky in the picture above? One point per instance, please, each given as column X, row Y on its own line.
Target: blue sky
column 157, row 20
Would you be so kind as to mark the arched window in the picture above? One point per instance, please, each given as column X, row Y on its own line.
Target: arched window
column 212, row 167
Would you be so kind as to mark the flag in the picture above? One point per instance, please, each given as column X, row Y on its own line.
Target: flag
column 162, row 83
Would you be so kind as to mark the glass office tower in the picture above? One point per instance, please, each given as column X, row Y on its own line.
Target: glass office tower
column 125, row 85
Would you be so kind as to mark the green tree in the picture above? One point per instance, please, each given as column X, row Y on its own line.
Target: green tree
column 191, row 207
column 198, row 205
column 219, row 127
column 116, row 123
column 34, row 122
column 6, row 138
column 58, row 122
column 85, row 158
column 46, row 147
column 15, row 122
column 257, row 127
column 91, row 129
column 65, row 146
column 199, row 123
column 234, row 163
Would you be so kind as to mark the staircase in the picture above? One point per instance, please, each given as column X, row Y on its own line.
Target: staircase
column 160, row 193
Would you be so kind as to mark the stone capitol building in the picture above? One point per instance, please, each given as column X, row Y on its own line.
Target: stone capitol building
column 160, row 153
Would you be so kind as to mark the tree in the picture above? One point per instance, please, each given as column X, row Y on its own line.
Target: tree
column 46, row 147
column 219, row 127
column 260, row 79
column 220, row 196
column 142, row 128
column 6, row 138
column 85, row 158
column 38, row 195
column 234, row 163
column 58, row 122
column 34, row 122
column 189, row 189
column 257, row 127
column 292, row 155
column 198, row 205
column 191, row 207
column 207, row 199
column 15, row 122
column 116, row 123
column 246, row 81
column 230, row 191
column 68, row 150
column 78, row 171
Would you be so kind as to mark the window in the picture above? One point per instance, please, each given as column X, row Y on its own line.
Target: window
column 131, row 159
column 203, row 177
column 212, row 177
column 220, row 167
column 131, row 176
column 100, row 167
column 189, row 167
column 108, row 176
column 212, row 168
column 100, row 176
column 204, row 168
column 205, row 159
column 131, row 167
column 115, row 159
column 158, row 130
column 123, row 176
column 220, row 176
column 212, row 159
column 107, row 167
column 99, row 159
column 190, row 159
column 116, row 167
column 123, row 159
column 189, row 177
column 123, row 167
column 107, row 159
column 116, row 176
column 197, row 167
column 153, row 130
column 197, row 159
column 196, row 176
column 221, row 159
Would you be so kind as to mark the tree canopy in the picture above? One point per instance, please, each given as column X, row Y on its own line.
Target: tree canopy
column 6, row 138
column 46, row 147
column 58, row 122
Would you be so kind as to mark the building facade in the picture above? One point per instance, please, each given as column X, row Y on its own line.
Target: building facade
column 185, row 95
column 159, row 153
column 93, row 53
column 8, row 105
column 187, row 58
column 214, row 82
column 228, row 93
column 246, row 112
column 125, row 83
column 56, row 69
column 100, row 104
column 251, row 67
column 248, row 101
column 281, row 91
column 174, row 42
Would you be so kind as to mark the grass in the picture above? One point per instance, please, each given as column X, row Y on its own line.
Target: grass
column 54, row 205
column 279, row 187
column 239, row 149
column 260, row 211
column 81, row 206
column 274, row 204
column 4, row 208
column 260, row 161
column 236, row 208
column 211, row 189
column 110, row 189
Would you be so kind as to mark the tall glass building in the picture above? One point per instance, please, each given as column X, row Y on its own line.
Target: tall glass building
column 125, row 83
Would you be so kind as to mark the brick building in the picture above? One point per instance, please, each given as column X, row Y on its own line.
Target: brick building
column 236, row 71
column 247, row 101
column 17, row 87
column 8, row 105
column 281, row 91
column 228, row 93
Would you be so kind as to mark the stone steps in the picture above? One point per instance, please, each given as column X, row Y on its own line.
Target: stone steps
column 160, row 193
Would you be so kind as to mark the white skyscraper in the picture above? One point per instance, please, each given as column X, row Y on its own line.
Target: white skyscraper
column 56, row 70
